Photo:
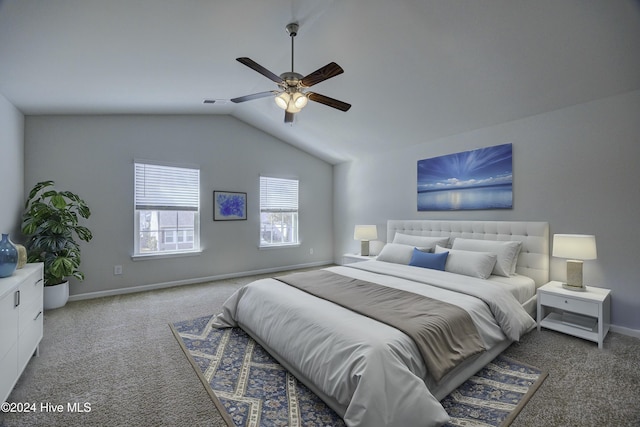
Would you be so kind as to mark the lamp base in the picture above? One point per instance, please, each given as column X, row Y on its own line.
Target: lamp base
column 364, row 248
column 574, row 288
column 574, row 274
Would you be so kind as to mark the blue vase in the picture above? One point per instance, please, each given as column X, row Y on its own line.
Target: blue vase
column 8, row 257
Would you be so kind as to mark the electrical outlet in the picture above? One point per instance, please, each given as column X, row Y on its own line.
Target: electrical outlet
column 311, row 251
column 117, row 270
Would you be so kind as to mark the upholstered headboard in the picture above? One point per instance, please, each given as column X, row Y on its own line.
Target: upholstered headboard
column 533, row 260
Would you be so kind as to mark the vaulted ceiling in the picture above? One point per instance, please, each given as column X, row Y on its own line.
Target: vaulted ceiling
column 415, row 70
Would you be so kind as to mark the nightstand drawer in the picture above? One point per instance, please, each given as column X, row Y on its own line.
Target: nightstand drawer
column 569, row 304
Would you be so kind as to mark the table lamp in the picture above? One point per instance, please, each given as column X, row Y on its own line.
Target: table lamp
column 365, row 233
column 576, row 248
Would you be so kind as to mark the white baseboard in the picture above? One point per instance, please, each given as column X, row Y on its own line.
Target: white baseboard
column 625, row 331
column 154, row 286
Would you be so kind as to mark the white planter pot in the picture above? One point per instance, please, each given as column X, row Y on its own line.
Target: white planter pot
column 56, row 296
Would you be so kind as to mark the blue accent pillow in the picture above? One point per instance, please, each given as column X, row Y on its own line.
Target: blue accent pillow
column 428, row 260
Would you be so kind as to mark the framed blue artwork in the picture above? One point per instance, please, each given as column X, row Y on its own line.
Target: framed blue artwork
column 476, row 179
column 229, row 206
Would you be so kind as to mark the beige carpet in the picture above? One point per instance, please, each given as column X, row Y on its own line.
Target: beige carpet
column 119, row 355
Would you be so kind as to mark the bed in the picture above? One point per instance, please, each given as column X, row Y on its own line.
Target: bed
column 371, row 373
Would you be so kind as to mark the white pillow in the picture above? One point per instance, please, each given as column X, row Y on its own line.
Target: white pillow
column 422, row 242
column 375, row 246
column 396, row 253
column 507, row 253
column 469, row 263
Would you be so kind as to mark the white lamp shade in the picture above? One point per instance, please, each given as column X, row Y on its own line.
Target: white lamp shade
column 365, row 232
column 299, row 100
column 574, row 246
column 282, row 100
column 292, row 107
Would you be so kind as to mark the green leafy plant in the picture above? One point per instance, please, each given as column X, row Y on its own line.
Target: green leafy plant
column 51, row 224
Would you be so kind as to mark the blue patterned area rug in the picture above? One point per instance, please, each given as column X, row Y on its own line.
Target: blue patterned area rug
column 495, row 395
column 251, row 389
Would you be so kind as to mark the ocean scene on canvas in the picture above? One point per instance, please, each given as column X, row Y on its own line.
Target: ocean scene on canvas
column 476, row 179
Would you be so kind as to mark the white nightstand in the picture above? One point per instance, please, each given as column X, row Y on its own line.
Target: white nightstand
column 351, row 258
column 581, row 314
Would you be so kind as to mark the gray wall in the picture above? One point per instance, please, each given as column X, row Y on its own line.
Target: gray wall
column 11, row 169
column 576, row 168
column 93, row 156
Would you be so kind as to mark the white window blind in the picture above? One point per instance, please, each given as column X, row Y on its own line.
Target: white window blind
column 278, row 194
column 159, row 187
column 278, row 212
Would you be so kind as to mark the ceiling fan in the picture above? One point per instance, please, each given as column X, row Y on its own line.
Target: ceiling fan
column 292, row 95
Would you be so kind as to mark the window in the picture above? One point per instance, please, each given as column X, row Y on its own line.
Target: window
column 167, row 205
column 278, row 211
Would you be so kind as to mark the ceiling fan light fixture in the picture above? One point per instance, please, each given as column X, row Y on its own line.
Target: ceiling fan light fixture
column 292, row 108
column 300, row 100
column 282, row 100
column 291, row 102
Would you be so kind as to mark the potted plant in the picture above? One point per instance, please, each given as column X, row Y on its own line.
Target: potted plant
column 51, row 224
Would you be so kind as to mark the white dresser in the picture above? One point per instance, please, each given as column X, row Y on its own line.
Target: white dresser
column 21, row 323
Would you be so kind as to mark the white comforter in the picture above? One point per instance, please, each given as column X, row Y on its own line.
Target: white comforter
column 370, row 373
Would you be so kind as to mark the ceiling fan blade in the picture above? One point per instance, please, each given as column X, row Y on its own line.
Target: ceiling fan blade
column 209, row 101
column 322, row 99
column 322, row 74
column 288, row 117
column 254, row 96
column 259, row 68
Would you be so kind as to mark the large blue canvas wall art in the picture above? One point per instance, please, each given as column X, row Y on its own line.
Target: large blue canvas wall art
column 476, row 179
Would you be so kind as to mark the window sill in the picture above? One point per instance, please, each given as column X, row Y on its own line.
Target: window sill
column 165, row 255
column 280, row 246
